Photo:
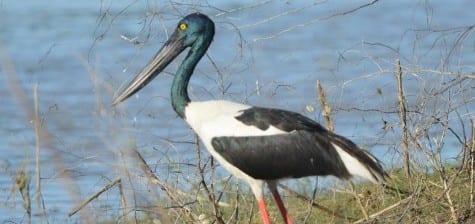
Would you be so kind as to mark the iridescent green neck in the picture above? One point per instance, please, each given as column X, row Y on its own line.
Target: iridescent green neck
column 179, row 95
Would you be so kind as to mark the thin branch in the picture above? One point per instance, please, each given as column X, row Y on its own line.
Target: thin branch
column 286, row 13
column 314, row 195
column 326, row 109
column 245, row 7
column 358, row 200
column 314, row 21
column 94, row 196
column 315, row 204
column 374, row 215
column 170, row 191
column 122, row 198
column 211, row 196
column 37, row 124
column 402, row 113
column 472, row 163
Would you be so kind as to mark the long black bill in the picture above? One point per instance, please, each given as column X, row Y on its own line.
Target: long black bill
column 170, row 50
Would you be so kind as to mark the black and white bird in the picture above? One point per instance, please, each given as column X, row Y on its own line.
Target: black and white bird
column 258, row 145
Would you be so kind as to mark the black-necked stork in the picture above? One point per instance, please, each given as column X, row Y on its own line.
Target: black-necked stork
column 256, row 144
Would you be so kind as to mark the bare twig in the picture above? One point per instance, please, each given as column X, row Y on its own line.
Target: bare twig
column 310, row 207
column 285, row 13
column 374, row 215
column 444, row 179
column 309, row 22
column 129, row 179
column 453, row 210
column 245, row 7
column 234, row 216
column 402, row 114
column 358, row 200
column 122, row 197
column 92, row 197
column 472, row 163
column 167, row 189
column 36, row 121
column 211, row 196
column 314, row 204
column 326, row 109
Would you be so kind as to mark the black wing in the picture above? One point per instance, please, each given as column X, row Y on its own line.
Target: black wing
column 297, row 154
column 284, row 120
column 306, row 149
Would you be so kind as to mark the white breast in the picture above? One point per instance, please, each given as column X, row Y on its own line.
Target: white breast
column 216, row 118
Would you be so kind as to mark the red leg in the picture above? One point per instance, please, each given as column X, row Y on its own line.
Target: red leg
column 280, row 204
column 263, row 210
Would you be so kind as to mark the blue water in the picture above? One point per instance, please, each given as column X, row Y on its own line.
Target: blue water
column 77, row 54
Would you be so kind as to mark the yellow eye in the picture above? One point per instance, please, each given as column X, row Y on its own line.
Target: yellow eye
column 182, row 26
